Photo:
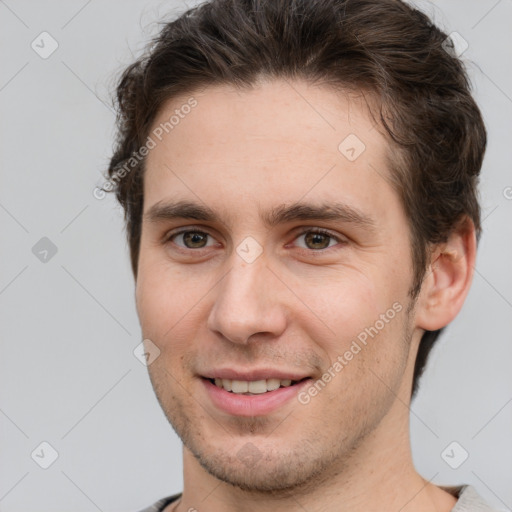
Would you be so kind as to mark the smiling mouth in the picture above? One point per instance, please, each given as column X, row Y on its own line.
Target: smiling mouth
column 254, row 387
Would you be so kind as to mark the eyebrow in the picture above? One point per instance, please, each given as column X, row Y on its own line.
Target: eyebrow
column 165, row 211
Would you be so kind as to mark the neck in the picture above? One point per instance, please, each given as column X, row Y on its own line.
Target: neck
column 380, row 476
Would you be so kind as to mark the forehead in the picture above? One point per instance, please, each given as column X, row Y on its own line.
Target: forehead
column 278, row 141
column 292, row 113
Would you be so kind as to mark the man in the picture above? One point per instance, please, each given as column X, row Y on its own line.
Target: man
column 299, row 183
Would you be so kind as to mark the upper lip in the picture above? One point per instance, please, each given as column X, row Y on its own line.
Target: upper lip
column 253, row 375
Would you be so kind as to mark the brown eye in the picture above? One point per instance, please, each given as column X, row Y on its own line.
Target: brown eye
column 190, row 239
column 194, row 239
column 317, row 240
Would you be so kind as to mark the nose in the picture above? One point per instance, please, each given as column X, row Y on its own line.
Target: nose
column 248, row 303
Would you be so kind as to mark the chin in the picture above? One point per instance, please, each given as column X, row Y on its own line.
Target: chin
column 257, row 469
column 270, row 474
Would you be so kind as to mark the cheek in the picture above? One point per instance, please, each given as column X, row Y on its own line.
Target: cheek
column 357, row 308
column 170, row 305
column 367, row 363
column 157, row 300
column 344, row 305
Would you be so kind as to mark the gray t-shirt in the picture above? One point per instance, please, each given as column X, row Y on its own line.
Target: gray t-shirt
column 468, row 501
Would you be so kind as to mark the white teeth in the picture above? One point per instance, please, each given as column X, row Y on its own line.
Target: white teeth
column 223, row 383
column 258, row 386
column 239, row 386
column 273, row 384
column 255, row 387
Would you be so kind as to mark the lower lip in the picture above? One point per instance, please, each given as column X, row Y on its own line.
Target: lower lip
column 252, row 405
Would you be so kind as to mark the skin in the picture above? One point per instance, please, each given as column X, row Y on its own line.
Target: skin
column 297, row 307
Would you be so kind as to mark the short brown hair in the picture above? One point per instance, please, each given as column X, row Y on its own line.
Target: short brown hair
column 384, row 48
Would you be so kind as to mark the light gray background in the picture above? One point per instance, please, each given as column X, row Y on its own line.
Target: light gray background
column 68, row 375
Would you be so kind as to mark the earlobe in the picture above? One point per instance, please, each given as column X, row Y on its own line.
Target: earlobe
column 448, row 278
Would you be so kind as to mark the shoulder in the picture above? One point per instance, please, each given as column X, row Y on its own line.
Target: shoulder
column 470, row 501
column 159, row 505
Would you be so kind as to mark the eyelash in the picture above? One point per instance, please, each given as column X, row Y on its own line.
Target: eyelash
column 319, row 231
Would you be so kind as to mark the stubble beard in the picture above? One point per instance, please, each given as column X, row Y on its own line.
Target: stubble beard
column 309, row 463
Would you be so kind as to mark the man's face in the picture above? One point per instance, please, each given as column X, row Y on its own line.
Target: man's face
column 237, row 298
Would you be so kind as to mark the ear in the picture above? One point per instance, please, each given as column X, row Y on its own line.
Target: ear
column 448, row 278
